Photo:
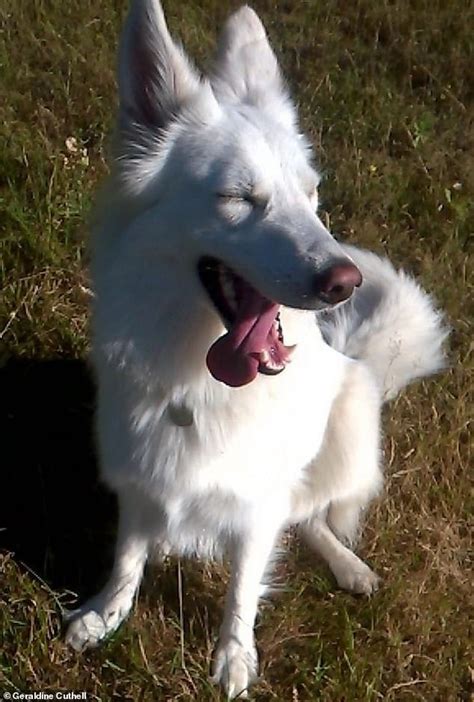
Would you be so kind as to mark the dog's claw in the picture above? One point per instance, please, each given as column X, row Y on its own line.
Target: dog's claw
column 355, row 576
column 86, row 631
column 91, row 624
column 235, row 669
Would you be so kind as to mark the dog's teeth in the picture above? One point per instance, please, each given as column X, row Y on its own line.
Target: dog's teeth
column 278, row 327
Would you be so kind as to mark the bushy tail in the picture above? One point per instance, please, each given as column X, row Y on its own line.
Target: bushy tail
column 390, row 323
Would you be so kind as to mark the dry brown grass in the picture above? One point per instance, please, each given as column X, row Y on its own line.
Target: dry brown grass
column 386, row 92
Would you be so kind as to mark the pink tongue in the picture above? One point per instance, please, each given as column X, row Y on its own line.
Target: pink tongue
column 234, row 358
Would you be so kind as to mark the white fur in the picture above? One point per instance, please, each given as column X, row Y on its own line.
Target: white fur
column 201, row 468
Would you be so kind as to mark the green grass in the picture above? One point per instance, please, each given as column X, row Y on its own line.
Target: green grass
column 386, row 94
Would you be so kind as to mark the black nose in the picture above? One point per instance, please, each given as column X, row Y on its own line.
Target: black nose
column 337, row 282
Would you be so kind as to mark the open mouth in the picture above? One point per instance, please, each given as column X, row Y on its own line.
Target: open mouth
column 254, row 341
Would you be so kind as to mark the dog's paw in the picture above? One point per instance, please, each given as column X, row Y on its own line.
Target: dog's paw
column 89, row 625
column 354, row 575
column 235, row 668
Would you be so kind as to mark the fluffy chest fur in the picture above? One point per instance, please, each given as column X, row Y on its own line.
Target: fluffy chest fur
column 211, row 458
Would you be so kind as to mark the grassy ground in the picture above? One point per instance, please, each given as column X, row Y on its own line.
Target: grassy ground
column 386, row 93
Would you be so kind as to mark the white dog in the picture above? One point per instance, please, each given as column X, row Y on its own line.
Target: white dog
column 237, row 396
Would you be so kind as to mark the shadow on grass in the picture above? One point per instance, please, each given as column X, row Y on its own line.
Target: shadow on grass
column 55, row 515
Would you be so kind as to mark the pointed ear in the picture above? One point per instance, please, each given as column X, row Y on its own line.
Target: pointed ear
column 246, row 68
column 155, row 77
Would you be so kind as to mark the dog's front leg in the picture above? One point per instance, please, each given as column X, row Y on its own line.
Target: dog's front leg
column 235, row 662
column 102, row 614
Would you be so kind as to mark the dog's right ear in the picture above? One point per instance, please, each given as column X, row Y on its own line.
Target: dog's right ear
column 156, row 79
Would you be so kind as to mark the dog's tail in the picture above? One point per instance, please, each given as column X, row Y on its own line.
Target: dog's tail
column 390, row 323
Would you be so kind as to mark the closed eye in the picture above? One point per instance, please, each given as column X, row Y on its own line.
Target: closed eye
column 249, row 198
column 235, row 207
column 237, row 198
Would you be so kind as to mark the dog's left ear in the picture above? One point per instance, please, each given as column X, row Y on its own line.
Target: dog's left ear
column 247, row 70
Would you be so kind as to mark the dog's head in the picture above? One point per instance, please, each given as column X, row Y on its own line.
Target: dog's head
column 220, row 164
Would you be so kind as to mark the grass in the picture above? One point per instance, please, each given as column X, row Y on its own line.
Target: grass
column 386, row 94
